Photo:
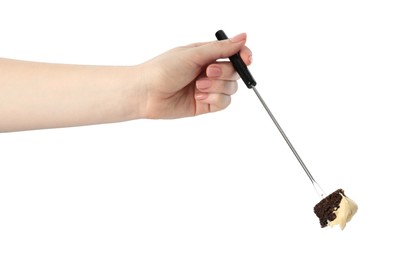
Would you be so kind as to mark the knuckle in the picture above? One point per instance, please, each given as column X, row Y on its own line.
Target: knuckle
column 234, row 87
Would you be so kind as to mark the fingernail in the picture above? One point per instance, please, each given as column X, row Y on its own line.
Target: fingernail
column 203, row 83
column 201, row 96
column 238, row 38
column 214, row 71
column 250, row 58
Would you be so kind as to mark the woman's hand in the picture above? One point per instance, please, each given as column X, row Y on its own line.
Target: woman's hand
column 185, row 81
column 189, row 81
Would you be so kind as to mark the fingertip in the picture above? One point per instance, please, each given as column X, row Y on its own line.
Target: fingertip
column 250, row 59
column 246, row 55
column 213, row 71
column 239, row 38
column 212, row 51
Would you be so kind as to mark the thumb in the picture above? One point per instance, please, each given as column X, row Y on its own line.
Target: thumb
column 209, row 52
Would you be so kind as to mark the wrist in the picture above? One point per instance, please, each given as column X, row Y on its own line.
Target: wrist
column 134, row 94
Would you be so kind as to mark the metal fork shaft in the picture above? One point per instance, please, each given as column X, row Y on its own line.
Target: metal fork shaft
column 317, row 187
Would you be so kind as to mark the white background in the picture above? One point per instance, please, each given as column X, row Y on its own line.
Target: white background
column 223, row 185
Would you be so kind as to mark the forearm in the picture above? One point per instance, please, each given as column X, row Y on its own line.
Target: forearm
column 42, row 95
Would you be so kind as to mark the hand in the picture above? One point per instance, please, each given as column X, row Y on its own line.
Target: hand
column 189, row 81
column 185, row 81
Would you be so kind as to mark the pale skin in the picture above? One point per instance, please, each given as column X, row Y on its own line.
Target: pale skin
column 184, row 81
